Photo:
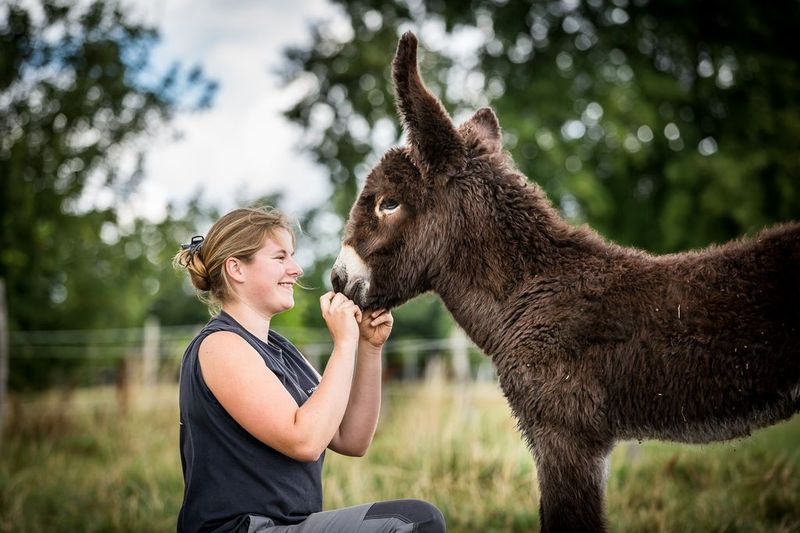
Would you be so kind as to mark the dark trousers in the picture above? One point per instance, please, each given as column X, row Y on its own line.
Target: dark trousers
column 393, row 516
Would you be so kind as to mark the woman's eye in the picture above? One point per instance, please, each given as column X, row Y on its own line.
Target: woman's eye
column 389, row 205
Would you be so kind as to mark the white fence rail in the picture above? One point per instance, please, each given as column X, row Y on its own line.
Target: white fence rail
column 152, row 353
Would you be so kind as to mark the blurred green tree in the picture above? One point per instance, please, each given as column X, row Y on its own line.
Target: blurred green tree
column 664, row 125
column 77, row 93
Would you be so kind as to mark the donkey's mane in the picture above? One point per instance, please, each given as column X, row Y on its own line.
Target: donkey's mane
column 524, row 215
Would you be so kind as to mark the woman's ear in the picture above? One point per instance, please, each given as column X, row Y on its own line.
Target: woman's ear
column 233, row 269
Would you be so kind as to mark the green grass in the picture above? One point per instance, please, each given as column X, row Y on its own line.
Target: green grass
column 76, row 464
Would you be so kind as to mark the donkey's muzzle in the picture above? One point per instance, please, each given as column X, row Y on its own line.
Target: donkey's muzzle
column 351, row 276
column 338, row 279
column 353, row 288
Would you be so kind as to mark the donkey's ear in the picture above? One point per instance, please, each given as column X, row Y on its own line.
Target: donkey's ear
column 482, row 131
column 435, row 145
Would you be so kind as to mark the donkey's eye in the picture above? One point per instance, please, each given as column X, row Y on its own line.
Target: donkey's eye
column 388, row 205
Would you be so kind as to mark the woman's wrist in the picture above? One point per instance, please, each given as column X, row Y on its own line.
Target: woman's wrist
column 367, row 348
column 345, row 347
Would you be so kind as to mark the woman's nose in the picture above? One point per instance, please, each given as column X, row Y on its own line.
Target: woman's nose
column 295, row 269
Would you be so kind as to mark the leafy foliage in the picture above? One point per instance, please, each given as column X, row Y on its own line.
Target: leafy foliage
column 78, row 93
column 664, row 125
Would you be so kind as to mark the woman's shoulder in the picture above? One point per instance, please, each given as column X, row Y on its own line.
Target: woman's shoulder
column 225, row 341
column 224, row 354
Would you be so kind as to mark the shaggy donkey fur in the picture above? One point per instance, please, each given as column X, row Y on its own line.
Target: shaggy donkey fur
column 592, row 342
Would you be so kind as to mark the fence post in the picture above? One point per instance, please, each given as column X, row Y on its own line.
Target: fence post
column 460, row 354
column 410, row 371
column 123, row 384
column 152, row 332
column 4, row 349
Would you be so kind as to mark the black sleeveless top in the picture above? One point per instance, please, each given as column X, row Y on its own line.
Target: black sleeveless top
column 229, row 474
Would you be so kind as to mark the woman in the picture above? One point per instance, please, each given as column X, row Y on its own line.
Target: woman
column 255, row 417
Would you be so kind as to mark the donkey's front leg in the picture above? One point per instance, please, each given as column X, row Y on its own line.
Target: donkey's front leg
column 572, row 476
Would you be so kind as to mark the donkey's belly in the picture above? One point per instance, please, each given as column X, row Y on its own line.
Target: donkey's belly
column 714, row 426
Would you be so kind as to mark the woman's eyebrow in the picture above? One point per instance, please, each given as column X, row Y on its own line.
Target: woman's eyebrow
column 282, row 251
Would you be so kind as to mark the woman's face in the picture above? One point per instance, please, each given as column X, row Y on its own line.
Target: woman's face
column 271, row 274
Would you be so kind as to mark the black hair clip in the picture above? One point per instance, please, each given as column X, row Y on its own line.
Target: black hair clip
column 194, row 244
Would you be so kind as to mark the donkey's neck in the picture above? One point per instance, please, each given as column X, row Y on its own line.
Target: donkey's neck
column 511, row 235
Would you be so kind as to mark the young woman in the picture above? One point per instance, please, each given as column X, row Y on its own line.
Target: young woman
column 255, row 417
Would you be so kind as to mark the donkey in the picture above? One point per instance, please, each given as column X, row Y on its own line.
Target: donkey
column 592, row 342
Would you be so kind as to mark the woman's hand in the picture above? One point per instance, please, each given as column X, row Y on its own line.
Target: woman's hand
column 342, row 317
column 376, row 326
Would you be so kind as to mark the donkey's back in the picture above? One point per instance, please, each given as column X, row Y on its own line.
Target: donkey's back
column 691, row 347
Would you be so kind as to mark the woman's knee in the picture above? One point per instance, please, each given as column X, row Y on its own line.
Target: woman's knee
column 427, row 517
column 435, row 522
column 430, row 518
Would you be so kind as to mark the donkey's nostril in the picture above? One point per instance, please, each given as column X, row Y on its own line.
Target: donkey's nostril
column 338, row 280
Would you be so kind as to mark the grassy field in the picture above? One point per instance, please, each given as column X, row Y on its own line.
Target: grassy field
column 76, row 464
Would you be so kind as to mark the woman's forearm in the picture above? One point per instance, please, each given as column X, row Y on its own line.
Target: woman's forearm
column 361, row 416
column 320, row 417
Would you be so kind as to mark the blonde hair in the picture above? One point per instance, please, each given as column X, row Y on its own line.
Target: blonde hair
column 240, row 234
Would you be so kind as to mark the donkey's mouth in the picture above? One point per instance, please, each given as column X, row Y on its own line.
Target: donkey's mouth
column 351, row 276
column 357, row 291
column 354, row 288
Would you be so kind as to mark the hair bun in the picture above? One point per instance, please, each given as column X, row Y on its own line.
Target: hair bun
column 191, row 261
column 198, row 272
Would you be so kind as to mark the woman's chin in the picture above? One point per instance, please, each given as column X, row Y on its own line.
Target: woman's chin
column 286, row 305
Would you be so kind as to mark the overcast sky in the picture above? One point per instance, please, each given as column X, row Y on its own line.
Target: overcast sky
column 242, row 147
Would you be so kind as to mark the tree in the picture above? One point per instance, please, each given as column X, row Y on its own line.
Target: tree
column 664, row 125
column 78, row 95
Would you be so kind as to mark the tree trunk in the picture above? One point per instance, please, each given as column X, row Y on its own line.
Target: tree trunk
column 4, row 344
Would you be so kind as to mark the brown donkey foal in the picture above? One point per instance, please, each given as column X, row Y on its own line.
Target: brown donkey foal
column 592, row 342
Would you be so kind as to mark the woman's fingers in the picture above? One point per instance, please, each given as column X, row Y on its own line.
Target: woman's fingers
column 383, row 319
column 331, row 302
column 339, row 299
column 325, row 302
column 381, row 316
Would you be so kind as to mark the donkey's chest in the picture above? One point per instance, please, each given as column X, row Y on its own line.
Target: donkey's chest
column 556, row 393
